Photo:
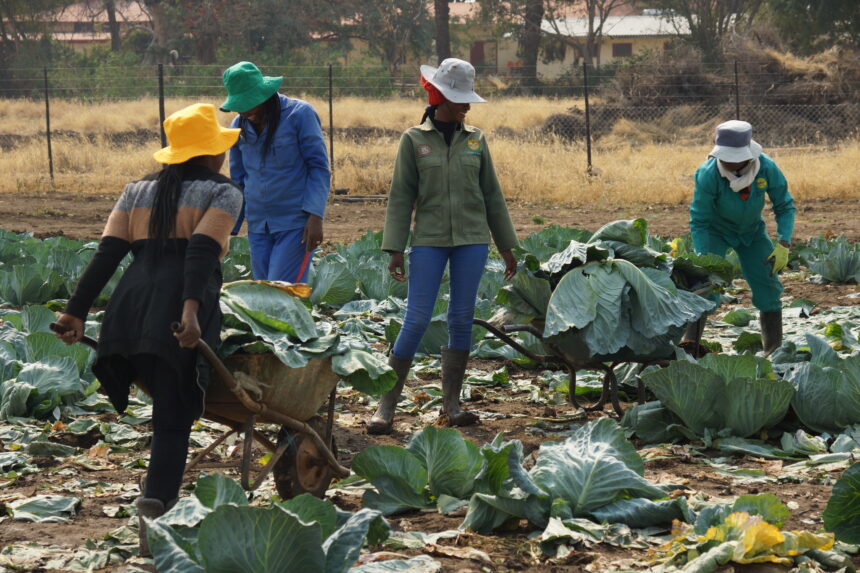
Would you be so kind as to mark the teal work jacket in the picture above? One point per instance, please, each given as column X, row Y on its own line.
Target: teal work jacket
column 717, row 210
column 453, row 192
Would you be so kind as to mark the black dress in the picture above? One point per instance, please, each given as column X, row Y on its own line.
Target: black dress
column 149, row 297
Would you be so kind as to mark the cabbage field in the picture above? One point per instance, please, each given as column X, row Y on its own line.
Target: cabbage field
column 733, row 462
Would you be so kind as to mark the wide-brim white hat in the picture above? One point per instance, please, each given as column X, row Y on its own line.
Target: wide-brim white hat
column 455, row 78
column 734, row 142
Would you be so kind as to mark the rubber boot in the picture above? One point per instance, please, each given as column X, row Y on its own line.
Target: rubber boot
column 382, row 420
column 693, row 335
column 151, row 508
column 771, row 330
column 453, row 372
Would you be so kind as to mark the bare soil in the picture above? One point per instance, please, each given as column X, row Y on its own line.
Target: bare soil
column 83, row 216
column 510, row 550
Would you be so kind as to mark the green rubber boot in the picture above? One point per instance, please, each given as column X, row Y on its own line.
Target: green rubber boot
column 771, row 330
column 453, row 371
column 693, row 337
column 382, row 420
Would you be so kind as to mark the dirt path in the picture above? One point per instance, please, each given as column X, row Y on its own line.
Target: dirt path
column 82, row 216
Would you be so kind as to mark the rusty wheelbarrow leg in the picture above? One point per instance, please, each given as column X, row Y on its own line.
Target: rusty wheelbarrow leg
column 203, row 453
column 609, row 392
column 246, row 457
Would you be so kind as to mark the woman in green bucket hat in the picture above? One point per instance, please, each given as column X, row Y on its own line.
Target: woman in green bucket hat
column 281, row 164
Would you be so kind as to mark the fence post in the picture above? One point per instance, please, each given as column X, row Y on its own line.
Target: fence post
column 161, row 104
column 587, row 116
column 737, row 94
column 48, row 130
column 331, row 123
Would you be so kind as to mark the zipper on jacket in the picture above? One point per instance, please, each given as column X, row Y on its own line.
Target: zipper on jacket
column 451, row 205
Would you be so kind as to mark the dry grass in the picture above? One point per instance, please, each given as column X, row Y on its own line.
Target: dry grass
column 633, row 163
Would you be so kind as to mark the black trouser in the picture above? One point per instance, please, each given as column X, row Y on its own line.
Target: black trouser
column 171, row 427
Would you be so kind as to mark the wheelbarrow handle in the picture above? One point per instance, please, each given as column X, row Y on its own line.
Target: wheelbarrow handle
column 523, row 328
column 501, row 334
column 60, row 329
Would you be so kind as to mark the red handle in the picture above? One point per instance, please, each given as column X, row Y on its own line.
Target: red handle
column 303, row 267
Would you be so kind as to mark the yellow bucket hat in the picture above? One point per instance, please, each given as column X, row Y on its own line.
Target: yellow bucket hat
column 193, row 131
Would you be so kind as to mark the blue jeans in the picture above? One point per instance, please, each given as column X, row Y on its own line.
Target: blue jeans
column 426, row 266
column 278, row 256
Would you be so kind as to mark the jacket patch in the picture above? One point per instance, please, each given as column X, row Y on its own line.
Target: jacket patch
column 761, row 182
column 473, row 144
column 424, row 150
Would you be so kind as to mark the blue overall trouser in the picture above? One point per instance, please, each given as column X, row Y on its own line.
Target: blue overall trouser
column 765, row 286
column 278, row 256
column 426, row 267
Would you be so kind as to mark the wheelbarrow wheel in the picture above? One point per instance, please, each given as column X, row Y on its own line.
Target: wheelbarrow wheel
column 302, row 468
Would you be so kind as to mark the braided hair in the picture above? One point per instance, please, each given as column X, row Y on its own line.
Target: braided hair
column 429, row 111
column 272, row 108
column 162, row 220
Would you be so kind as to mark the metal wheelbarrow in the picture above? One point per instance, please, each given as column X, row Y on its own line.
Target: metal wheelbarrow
column 251, row 388
column 566, row 352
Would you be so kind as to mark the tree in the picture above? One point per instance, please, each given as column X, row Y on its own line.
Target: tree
column 521, row 19
column 113, row 25
column 596, row 12
column 443, row 36
column 530, row 40
column 161, row 28
column 710, row 20
column 392, row 29
column 204, row 22
column 22, row 20
column 809, row 25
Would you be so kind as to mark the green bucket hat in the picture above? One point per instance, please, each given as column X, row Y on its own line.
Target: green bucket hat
column 247, row 87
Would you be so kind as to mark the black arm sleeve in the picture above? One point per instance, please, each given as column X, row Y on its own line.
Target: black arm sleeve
column 101, row 268
column 201, row 260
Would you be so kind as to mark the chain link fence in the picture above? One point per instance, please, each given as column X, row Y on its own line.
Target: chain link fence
column 619, row 105
column 784, row 125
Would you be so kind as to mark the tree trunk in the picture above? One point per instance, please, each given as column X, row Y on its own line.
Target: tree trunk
column 9, row 24
column 110, row 8
column 205, row 44
column 443, row 36
column 161, row 30
column 530, row 41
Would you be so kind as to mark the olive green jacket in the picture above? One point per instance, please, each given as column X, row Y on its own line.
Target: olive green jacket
column 453, row 191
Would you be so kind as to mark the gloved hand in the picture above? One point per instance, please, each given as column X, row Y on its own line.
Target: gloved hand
column 778, row 259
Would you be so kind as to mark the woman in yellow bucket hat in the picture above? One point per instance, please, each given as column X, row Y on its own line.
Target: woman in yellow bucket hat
column 176, row 223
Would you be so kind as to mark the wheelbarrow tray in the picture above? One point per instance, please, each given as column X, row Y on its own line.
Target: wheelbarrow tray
column 295, row 392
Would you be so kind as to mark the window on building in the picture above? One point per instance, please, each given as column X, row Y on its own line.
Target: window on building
column 84, row 27
column 623, row 50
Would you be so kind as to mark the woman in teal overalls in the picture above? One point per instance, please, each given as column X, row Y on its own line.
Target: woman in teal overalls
column 726, row 211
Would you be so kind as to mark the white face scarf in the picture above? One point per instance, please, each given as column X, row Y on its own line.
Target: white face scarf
column 746, row 177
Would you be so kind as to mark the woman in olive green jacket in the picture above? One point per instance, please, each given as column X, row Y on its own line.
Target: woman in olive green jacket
column 444, row 175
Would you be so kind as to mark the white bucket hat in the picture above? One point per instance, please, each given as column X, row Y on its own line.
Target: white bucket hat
column 734, row 142
column 455, row 78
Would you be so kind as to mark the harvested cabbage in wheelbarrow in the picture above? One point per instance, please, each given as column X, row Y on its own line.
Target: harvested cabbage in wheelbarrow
column 264, row 316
